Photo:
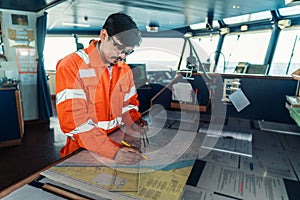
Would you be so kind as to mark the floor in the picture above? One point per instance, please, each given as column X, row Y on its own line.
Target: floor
column 40, row 147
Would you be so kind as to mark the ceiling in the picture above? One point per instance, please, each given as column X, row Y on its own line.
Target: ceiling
column 168, row 14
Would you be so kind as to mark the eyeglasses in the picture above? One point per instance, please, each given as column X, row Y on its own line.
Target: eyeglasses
column 121, row 48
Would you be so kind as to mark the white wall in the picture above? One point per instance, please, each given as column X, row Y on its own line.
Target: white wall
column 10, row 68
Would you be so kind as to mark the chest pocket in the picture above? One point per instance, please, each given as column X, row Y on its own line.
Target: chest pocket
column 91, row 86
column 124, row 88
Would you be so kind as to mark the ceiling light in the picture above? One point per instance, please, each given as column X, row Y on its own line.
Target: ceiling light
column 75, row 24
column 289, row 2
column 244, row 28
column 284, row 23
column 224, row 31
column 152, row 27
column 188, row 34
column 201, row 25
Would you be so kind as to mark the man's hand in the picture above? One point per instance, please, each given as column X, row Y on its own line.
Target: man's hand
column 141, row 126
column 128, row 156
column 134, row 141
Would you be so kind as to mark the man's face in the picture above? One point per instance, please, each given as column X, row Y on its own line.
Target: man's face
column 114, row 50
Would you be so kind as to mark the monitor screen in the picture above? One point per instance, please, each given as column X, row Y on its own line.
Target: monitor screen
column 139, row 74
column 256, row 69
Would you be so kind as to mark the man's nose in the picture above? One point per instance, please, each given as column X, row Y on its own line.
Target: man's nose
column 122, row 55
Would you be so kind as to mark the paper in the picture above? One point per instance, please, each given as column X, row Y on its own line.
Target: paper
column 268, row 162
column 195, row 193
column 158, row 184
column 239, row 184
column 238, row 123
column 235, row 142
column 294, row 158
column 186, row 126
column 171, row 153
column 182, row 92
column 162, row 184
column 168, row 148
column 269, row 158
column 28, row 79
column 186, row 116
column 222, row 179
column 239, row 100
column 221, row 197
column 221, row 158
column 62, row 176
column 279, row 127
column 182, row 120
column 112, row 179
column 290, row 142
column 32, row 193
column 171, row 147
column 260, row 138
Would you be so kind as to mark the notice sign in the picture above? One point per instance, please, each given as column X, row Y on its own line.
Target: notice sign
column 26, row 60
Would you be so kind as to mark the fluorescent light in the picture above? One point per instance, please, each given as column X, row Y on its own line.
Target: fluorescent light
column 152, row 28
column 198, row 26
column 75, row 24
column 202, row 25
column 288, row 2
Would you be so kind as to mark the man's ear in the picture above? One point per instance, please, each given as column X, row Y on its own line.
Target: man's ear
column 103, row 35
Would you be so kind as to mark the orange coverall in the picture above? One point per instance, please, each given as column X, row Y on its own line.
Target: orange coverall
column 91, row 103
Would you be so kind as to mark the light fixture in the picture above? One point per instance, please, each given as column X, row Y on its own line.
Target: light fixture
column 224, row 31
column 292, row 2
column 197, row 26
column 244, row 28
column 284, row 23
column 152, row 27
column 75, row 24
column 188, row 34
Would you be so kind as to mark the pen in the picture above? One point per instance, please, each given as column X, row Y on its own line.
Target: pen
column 128, row 145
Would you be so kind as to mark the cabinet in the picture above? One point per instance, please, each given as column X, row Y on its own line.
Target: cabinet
column 11, row 122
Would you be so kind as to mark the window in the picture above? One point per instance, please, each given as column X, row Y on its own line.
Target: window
column 248, row 17
column 58, row 47
column 206, row 48
column 288, row 11
column 286, row 57
column 248, row 47
column 161, row 56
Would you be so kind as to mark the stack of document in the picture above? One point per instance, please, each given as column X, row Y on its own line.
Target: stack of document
column 236, row 142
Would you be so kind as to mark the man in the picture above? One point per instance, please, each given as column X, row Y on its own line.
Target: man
column 96, row 94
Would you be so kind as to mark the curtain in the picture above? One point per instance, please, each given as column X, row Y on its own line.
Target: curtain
column 44, row 99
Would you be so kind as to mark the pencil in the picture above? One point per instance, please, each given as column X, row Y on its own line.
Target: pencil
column 128, row 145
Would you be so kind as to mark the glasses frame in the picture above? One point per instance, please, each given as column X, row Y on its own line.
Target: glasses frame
column 120, row 48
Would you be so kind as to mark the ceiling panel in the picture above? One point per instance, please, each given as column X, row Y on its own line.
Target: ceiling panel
column 169, row 14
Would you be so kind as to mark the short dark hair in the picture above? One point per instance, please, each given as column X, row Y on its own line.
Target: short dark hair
column 124, row 28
